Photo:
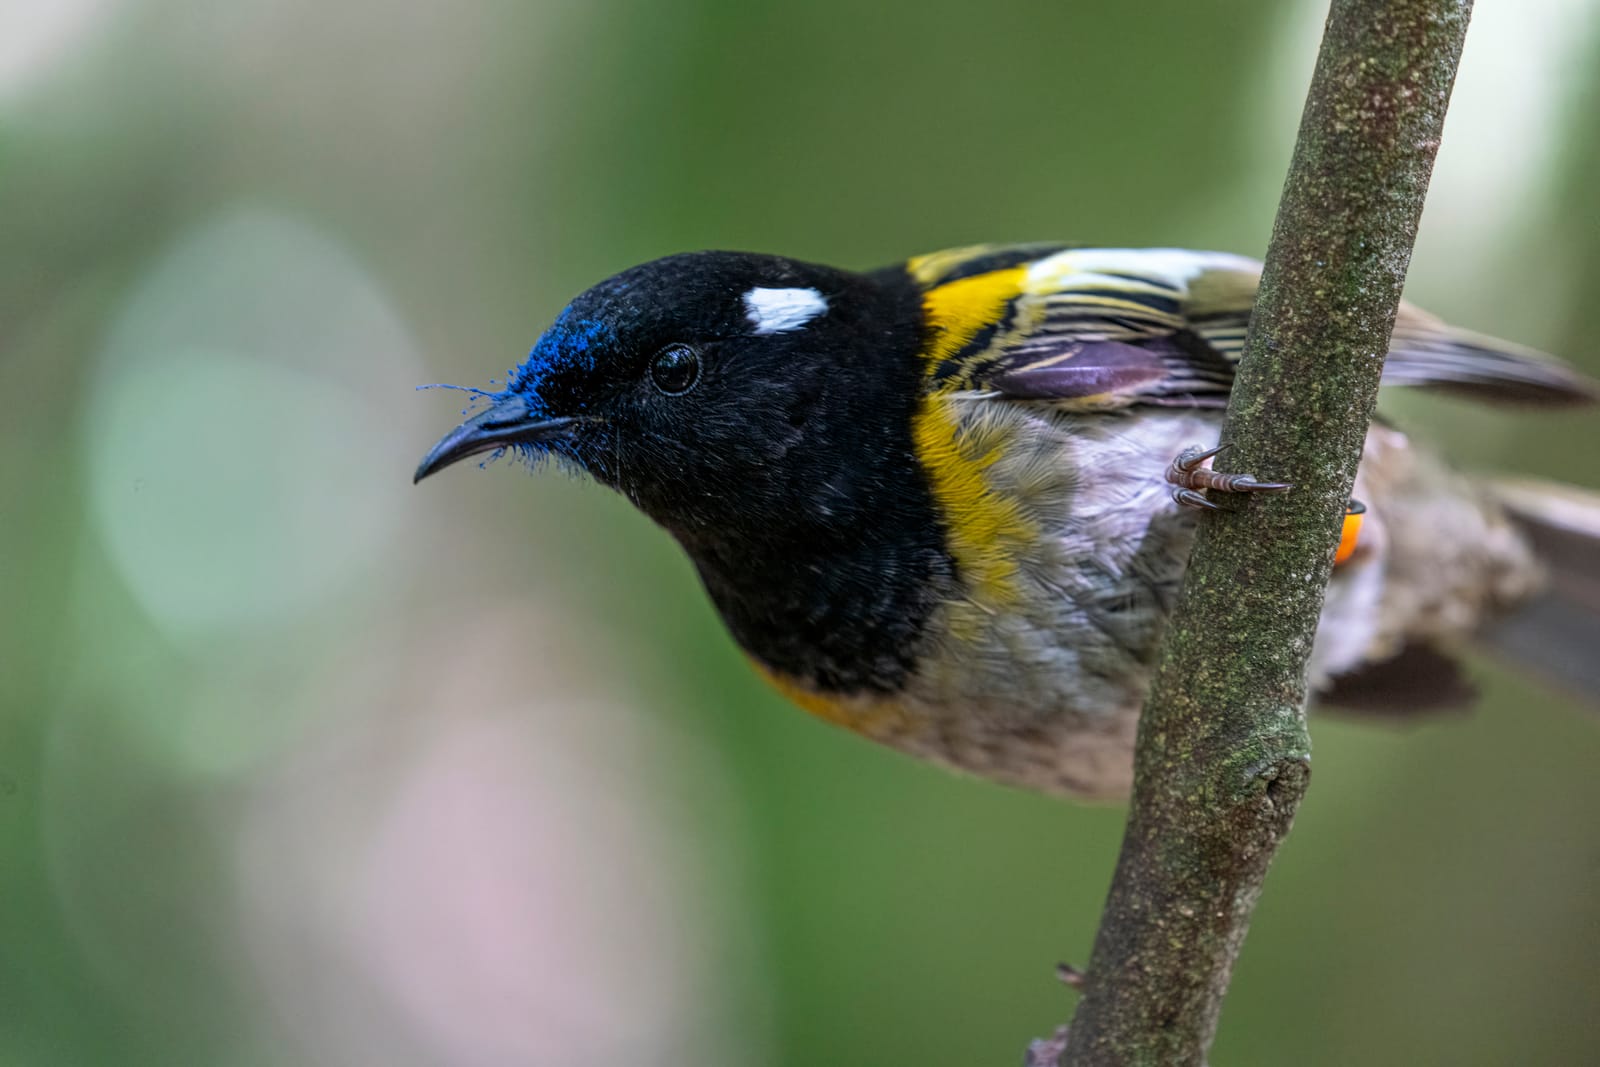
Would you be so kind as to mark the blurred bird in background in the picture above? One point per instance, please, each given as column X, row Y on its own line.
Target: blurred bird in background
column 938, row 504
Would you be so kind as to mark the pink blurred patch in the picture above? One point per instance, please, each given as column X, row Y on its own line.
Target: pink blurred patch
column 456, row 877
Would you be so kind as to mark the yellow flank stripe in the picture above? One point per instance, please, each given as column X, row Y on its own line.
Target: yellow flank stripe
column 959, row 310
column 987, row 531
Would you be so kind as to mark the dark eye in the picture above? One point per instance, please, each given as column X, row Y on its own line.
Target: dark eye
column 675, row 369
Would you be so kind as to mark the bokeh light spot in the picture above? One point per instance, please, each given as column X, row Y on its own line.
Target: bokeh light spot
column 36, row 34
column 240, row 441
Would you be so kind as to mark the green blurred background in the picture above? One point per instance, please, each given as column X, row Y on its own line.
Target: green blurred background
column 301, row 765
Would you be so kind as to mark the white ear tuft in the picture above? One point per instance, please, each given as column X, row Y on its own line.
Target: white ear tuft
column 777, row 310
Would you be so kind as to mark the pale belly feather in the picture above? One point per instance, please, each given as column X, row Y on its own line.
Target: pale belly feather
column 1039, row 684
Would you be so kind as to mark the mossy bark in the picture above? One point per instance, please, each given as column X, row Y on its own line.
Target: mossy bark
column 1223, row 752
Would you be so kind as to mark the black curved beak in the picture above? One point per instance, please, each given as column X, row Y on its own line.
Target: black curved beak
column 507, row 423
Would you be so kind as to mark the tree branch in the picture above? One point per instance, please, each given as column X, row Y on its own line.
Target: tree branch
column 1223, row 752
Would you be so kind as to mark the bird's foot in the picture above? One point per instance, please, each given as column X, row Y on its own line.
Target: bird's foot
column 1189, row 477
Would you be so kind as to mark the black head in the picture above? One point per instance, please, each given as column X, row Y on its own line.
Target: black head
column 719, row 391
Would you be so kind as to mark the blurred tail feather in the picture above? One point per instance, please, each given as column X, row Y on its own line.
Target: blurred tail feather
column 1427, row 352
column 1556, row 635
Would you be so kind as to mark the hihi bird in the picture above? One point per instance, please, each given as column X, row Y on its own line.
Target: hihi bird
column 937, row 504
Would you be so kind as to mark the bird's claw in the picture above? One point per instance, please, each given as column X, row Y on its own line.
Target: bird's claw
column 1189, row 498
column 1188, row 478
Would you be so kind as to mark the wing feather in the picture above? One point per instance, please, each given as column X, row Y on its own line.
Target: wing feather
column 1098, row 328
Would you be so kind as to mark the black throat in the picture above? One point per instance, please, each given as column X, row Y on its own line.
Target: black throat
column 842, row 618
column 833, row 579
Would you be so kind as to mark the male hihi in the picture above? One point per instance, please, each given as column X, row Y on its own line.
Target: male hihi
column 936, row 503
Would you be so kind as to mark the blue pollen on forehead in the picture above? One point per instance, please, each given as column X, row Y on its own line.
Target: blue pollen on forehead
column 570, row 343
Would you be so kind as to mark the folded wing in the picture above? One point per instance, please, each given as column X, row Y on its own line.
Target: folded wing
column 1098, row 329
